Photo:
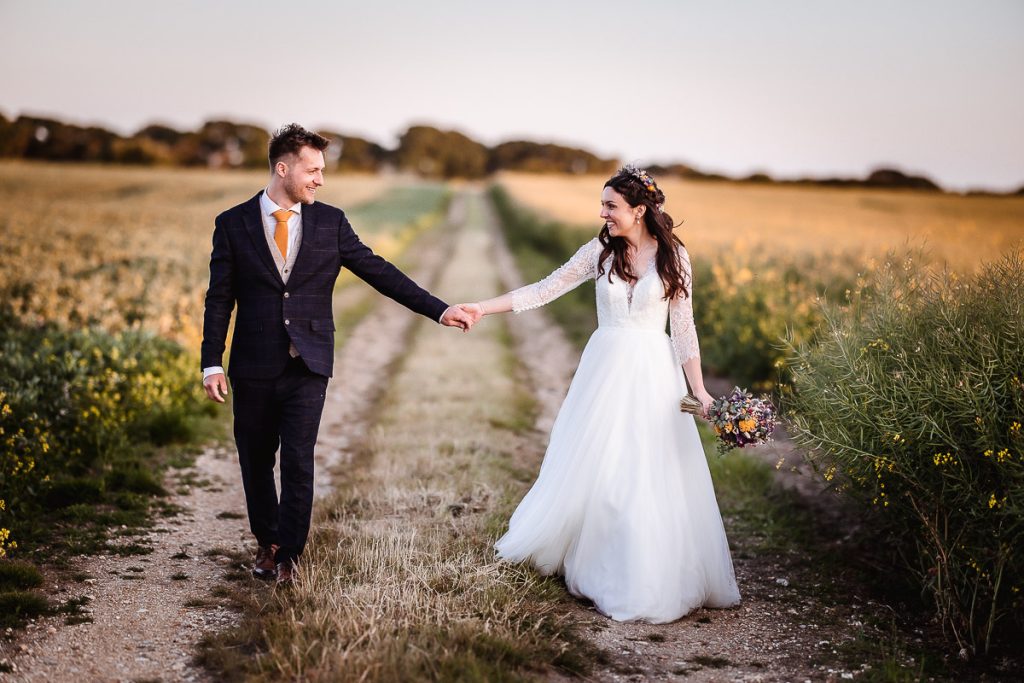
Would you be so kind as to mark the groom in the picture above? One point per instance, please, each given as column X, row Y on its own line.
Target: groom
column 277, row 257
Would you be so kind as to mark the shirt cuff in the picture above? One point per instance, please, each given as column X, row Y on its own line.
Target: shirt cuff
column 443, row 314
column 213, row 370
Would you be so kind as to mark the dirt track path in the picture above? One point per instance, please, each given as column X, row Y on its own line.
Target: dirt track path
column 149, row 612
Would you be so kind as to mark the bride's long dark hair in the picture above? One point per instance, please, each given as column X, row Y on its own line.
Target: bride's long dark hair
column 627, row 182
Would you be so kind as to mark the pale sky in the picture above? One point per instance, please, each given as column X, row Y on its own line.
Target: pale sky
column 790, row 87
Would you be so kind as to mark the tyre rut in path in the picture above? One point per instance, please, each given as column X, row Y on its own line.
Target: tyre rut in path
column 149, row 612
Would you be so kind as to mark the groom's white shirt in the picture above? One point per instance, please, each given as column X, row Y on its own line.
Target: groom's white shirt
column 267, row 209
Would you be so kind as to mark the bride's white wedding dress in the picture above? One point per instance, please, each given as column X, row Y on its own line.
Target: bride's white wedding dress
column 624, row 505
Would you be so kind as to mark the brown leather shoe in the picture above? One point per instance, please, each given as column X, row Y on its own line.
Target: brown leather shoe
column 265, row 568
column 287, row 574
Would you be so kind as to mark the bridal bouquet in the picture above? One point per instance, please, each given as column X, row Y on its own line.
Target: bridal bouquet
column 738, row 419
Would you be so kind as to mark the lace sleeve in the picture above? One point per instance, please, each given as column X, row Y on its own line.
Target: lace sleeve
column 574, row 272
column 684, row 332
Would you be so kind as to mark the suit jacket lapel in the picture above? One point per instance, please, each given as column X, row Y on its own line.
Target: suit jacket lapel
column 254, row 226
column 310, row 214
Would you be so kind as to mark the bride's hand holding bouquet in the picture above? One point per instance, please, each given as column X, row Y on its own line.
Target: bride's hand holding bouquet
column 703, row 403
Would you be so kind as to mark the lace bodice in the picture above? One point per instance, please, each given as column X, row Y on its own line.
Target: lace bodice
column 641, row 305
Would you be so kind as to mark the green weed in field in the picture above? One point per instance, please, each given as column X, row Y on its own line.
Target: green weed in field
column 79, row 412
column 912, row 402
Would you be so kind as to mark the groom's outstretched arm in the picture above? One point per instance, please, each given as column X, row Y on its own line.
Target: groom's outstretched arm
column 393, row 283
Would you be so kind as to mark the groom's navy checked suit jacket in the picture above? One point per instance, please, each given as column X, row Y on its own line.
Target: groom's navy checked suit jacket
column 272, row 313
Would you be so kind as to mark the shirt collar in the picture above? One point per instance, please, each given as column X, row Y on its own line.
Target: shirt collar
column 269, row 207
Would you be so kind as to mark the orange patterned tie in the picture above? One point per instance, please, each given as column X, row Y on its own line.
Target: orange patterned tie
column 281, row 231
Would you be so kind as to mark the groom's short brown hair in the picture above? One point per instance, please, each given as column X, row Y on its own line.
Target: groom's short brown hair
column 290, row 139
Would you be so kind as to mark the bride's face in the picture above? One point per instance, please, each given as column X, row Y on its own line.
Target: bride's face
column 618, row 215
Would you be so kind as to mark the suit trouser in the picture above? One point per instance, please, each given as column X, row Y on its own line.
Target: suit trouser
column 282, row 411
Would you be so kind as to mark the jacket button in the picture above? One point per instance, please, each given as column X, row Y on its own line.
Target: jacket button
column 287, row 322
column 286, row 295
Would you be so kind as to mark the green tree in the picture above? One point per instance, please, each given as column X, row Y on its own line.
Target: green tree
column 523, row 155
column 438, row 153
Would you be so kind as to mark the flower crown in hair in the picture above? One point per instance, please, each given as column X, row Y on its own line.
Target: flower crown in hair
column 641, row 175
column 646, row 180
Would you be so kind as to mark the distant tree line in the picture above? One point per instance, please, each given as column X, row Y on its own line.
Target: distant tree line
column 879, row 178
column 424, row 150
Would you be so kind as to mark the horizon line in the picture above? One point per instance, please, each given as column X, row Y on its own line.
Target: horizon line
column 751, row 169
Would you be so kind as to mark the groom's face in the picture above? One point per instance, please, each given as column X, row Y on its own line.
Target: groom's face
column 304, row 174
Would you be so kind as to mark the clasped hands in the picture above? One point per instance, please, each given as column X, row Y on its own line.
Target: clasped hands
column 463, row 316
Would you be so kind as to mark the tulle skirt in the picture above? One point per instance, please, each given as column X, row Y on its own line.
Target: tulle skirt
column 624, row 506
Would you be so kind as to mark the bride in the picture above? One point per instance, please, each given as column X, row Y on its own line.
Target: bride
column 624, row 505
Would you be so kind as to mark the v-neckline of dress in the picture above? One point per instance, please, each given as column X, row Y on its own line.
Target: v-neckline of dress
column 631, row 287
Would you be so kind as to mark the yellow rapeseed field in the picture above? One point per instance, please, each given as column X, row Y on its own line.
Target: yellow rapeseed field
column 796, row 220
column 115, row 246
